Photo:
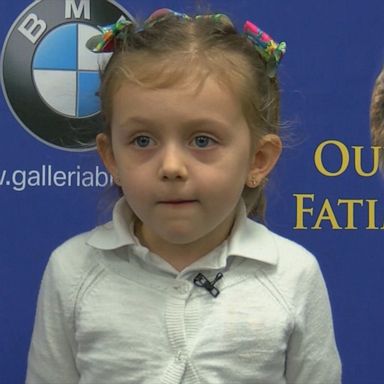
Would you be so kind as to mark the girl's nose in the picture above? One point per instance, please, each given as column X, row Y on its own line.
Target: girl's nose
column 173, row 164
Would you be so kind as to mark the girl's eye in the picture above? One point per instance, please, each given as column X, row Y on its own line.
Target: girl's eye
column 203, row 141
column 142, row 141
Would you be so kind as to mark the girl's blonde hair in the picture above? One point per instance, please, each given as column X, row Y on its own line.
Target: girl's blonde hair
column 377, row 115
column 177, row 52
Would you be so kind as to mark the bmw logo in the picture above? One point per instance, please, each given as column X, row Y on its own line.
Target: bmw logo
column 49, row 77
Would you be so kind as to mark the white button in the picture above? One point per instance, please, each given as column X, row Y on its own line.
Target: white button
column 182, row 288
column 185, row 288
column 180, row 357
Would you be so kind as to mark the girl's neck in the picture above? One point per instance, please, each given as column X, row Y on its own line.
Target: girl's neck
column 181, row 256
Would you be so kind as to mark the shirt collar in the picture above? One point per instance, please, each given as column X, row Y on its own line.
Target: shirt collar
column 116, row 233
column 247, row 239
column 252, row 240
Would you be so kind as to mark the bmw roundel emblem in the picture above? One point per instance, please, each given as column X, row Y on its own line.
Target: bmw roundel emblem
column 49, row 78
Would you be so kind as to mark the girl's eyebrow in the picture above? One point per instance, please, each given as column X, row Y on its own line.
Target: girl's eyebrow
column 138, row 120
column 192, row 123
column 207, row 122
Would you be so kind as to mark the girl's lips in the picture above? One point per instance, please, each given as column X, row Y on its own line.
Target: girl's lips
column 178, row 202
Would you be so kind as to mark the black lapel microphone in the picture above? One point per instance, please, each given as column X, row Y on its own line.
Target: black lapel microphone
column 201, row 281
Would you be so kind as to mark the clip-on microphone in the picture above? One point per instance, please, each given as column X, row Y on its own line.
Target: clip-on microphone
column 201, row 281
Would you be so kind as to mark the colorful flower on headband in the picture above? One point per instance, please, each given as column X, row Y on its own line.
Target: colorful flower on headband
column 269, row 50
column 106, row 41
column 217, row 17
column 163, row 14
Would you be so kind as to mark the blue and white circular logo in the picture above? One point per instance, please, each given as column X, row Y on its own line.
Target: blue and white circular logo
column 61, row 60
column 49, row 77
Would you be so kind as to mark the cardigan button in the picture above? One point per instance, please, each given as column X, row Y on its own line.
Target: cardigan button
column 180, row 357
column 182, row 288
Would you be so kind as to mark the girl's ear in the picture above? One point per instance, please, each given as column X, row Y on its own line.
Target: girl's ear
column 104, row 148
column 264, row 158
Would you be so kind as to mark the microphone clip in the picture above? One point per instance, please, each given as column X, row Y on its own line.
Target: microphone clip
column 201, row 281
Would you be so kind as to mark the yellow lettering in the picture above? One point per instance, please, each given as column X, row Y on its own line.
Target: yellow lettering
column 350, row 203
column 371, row 214
column 376, row 161
column 318, row 158
column 326, row 213
column 300, row 210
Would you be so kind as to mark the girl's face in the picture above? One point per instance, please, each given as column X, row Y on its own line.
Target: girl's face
column 182, row 159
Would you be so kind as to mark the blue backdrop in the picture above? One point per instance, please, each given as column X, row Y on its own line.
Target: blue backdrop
column 335, row 209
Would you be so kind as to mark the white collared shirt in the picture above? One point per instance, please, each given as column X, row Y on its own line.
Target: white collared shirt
column 111, row 312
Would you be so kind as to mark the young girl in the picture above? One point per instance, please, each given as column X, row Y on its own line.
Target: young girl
column 182, row 287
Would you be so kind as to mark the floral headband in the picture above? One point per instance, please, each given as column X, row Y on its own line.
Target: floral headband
column 269, row 50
